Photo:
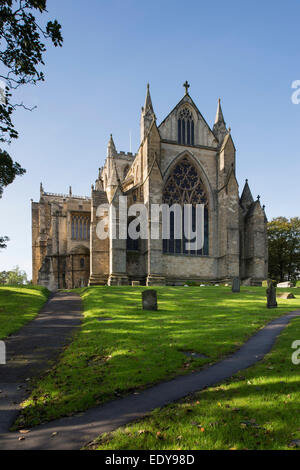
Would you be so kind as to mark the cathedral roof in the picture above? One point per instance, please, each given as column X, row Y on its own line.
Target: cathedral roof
column 189, row 101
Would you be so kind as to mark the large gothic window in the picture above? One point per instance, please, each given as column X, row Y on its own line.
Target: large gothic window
column 186, row 127
column 184, row 186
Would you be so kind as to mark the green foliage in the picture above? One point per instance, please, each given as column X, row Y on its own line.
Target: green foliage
column 19, row 305
column 15, row 277
column 8, row 171
column 134, row 349
column 22, row 51
column 3, row 242
column 284, row 248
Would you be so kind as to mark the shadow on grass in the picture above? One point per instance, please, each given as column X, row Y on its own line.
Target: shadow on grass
column 138, row 348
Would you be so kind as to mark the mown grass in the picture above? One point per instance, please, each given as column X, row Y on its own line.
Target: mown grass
column 257, row 409
column 19, row 305
column 135, row 348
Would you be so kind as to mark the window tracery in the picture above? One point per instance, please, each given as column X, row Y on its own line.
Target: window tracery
column 184, row 186
column 186, row 127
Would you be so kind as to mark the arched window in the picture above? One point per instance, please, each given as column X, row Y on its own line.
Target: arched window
column 186, row 127
column 184, row 186
column 80, row 227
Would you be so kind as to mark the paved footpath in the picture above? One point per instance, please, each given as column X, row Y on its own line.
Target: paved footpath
column 74, row 432
column 30, row 350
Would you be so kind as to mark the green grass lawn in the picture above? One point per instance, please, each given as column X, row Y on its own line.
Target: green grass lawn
column 135, row 348
column 19, row 305
column 257, row 409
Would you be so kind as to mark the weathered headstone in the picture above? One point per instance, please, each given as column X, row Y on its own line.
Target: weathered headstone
column 236, row 285
column 135, row 283
column 149, row 299
column 271, row 295
column 285, row 284
column 286, row 295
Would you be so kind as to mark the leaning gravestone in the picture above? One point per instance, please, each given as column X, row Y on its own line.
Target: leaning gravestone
column 286, row 295
column 236, row 285
column 149, row 299
column 271, row 295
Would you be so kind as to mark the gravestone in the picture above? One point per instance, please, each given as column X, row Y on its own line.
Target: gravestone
column 149, row 299
column 286, row 295
column 285, row 284
column 271, row 295
column 236, row 285
column 135, row 283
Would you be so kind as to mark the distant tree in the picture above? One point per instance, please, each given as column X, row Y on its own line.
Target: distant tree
column 3, row 242
column 16, row 277
column 3, row 277
column 21, row 54
column 284, row 248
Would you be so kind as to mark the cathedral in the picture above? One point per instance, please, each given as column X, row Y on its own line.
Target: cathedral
column 180, row 161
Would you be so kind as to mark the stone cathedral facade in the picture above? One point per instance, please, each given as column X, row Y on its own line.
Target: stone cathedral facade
column 182, row 160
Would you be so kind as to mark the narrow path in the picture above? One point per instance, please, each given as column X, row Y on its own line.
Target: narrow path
column 74, row 432
column 30, row 350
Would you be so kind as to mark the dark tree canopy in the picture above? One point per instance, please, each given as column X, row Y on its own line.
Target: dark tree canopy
column 3, row 242
column 22, row 37
column 284, row 248
column 21, row 52
column 8, row 170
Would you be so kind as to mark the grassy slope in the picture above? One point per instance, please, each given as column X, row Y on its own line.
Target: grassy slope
column 136, row 349
column 19, row 305
column 256, row 409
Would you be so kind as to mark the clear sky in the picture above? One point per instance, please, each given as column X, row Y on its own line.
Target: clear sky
column 247, row 53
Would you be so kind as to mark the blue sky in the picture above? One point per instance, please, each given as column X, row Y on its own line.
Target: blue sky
column 247, row 53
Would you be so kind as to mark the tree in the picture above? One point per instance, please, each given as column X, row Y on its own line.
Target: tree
column 21, row 53
column 15, row 277
column 3, row 277
column 3, row 242
column 284, row 248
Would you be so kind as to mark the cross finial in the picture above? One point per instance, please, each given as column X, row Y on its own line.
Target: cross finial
column 258, row 197
column 186, row 86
